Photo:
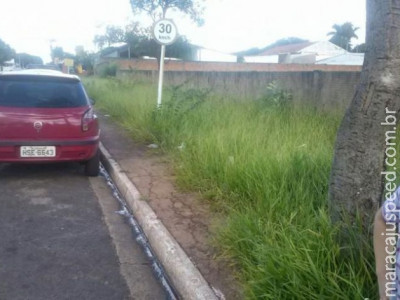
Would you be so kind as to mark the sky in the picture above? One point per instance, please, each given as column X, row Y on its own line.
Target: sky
column 230, row 25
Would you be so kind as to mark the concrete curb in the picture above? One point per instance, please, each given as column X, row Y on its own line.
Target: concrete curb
column 185, row 277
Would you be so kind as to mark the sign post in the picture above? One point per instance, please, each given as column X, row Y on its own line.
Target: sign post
column 161, row 76
column 68, row 62
column 165, row 33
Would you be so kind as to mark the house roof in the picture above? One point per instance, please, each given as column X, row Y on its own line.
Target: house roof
column 355, row 59
column 118, row 45
column 292, row 48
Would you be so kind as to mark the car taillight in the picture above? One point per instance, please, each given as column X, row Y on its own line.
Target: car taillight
column 87, row 119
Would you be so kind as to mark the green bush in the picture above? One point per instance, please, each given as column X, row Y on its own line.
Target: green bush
column 108, row 70
column 274, row 97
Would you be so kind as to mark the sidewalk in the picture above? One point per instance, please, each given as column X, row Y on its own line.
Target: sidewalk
column 187, row 219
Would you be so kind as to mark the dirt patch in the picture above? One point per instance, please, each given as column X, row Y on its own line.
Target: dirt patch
column 186, row 217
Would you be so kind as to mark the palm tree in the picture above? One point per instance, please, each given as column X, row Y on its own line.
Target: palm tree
column 343, row 34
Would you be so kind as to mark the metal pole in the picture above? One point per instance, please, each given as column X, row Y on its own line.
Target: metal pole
column 161, row 76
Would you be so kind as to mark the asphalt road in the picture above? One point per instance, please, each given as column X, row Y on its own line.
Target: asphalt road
column 55, row 240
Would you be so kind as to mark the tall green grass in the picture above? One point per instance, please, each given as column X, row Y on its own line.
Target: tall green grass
column 264, row 165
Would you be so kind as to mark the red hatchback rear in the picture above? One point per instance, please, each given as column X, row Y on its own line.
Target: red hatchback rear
column 46, row 116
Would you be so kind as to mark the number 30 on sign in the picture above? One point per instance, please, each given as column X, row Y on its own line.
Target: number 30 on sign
column 165, row 32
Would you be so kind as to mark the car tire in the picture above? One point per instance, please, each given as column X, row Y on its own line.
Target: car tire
column 92, row 166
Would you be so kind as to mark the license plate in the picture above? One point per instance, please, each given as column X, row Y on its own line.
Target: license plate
column 38, row 151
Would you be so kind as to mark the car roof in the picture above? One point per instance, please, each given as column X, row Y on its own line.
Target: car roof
column 39, row 72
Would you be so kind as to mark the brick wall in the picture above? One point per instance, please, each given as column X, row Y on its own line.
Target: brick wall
column 326, row 86
column 173, row 65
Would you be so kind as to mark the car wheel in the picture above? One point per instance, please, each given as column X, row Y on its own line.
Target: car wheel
column 92, row 166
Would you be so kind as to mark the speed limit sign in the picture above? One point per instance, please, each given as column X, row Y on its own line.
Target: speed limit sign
column 165, row 32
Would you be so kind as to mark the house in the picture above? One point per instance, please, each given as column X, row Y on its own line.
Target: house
column 204, row 54
column 350, row 59
column 299, row 53
column 9, row 66
column 117, row 50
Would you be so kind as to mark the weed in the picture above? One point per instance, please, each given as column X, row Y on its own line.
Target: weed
column 267, row 171
column 274, row 97
column 108, row 70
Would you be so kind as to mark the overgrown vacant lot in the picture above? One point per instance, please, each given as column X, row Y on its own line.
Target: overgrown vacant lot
column 265, row 164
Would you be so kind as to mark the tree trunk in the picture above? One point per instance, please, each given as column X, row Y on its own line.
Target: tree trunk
column 357, row 178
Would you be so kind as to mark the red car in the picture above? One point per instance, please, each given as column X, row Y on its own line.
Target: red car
column 46, row 116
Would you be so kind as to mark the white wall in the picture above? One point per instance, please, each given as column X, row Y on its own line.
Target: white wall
column 262, row 59
column 212, row 55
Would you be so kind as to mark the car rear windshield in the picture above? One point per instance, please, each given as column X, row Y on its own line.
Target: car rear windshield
column 41, row 92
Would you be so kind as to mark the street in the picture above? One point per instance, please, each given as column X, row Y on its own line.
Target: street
column 55, row 240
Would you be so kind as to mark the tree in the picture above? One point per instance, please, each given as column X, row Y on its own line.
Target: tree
column 113, row 34
column 158, row 8
column 342, row 35
column 364, row 145
column 86, row 59
column 25, row 59
column 57, row 52
column 181, row 49
column 141, row 43
column 361, row 48
column 68, row 55
column 6, row 52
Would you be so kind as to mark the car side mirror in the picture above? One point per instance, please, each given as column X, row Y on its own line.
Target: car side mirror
column 92, row 101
